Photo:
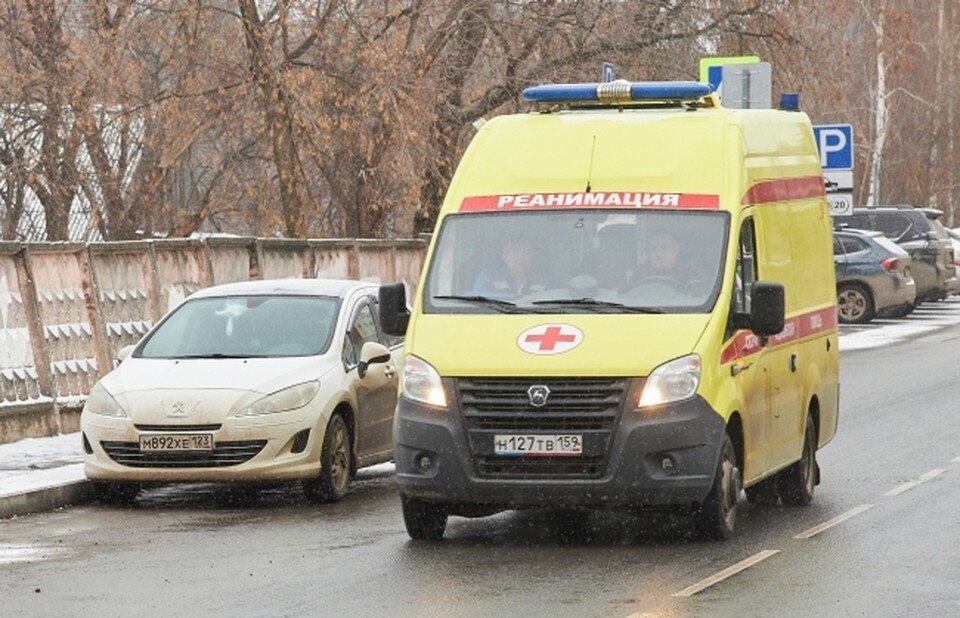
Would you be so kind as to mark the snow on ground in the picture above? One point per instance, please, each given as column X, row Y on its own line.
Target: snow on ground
column 34, row 463
column 13, row 482
column 926, row 318
column 41, row 453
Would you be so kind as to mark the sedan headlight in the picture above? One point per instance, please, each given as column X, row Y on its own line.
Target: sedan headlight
column 672, row 381
column 289, row 398
column 421, row 382
column 101, row 402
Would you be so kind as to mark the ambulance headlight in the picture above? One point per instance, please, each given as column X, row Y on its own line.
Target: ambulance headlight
column 675, row 380
column 421, row 382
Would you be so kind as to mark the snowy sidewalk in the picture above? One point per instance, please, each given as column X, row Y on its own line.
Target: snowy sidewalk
column 38, row 474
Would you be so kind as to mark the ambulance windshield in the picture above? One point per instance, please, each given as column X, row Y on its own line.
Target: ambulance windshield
column 578, row 261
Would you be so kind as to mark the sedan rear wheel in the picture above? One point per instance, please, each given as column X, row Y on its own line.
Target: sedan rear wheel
column 854, row 304
column 335, row 462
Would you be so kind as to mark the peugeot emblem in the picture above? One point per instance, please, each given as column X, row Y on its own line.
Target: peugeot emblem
column 538, row 393
column 178, row 408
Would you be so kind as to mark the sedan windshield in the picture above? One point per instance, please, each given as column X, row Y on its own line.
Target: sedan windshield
column 578, row 261
column 245, row 327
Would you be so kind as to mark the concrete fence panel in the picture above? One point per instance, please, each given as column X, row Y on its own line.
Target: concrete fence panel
column 229, row 262
column 120, row 288
column 334, row 259
column 284, row 259
column 59, row 278
column 18, row 373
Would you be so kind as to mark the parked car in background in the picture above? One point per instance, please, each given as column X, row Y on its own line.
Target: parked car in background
column 873, row 276
column 954, row 237
column 249, row 382
column 918, row 231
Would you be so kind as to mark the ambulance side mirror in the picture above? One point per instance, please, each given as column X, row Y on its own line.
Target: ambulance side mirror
column 394, row 315
column 768, row 308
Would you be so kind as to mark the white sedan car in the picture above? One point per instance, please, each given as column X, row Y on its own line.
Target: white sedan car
column 256, row 381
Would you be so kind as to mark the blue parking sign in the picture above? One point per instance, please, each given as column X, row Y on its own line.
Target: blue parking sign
column 835, row 143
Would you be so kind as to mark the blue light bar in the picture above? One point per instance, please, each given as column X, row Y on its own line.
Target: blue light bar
column 619, row 91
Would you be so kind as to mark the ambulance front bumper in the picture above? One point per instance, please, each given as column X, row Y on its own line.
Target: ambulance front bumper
column 655, row 458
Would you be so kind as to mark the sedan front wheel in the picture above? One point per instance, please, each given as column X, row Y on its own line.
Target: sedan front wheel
column 335, row 461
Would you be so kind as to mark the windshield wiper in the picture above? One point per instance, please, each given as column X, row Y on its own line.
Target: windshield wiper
column 592, row 303
column 220, row 355
column 503, row 306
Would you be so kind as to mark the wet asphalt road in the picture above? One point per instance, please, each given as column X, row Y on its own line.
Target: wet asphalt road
column 893, row 471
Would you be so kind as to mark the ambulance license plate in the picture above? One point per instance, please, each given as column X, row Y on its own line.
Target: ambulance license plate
column 176, row 442
column 537, row 445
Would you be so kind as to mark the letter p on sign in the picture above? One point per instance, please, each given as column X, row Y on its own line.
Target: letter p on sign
column 835, row 143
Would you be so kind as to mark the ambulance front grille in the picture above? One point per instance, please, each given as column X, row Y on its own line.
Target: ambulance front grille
column 586, row 407
column 572, row 404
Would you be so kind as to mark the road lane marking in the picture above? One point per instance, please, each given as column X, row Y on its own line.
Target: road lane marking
column 689, row 591
column 899, row 489
column 806, row 534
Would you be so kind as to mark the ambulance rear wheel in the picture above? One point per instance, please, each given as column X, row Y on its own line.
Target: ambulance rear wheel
column 796, row 483
column 425, row 521
column 716, row 516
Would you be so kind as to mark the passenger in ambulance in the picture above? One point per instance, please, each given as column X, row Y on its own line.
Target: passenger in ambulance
column 511, row 276
column 666, row 262
column 663, row 254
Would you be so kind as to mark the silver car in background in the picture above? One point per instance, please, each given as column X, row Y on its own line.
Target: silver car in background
column 919, row 232
column 873, row 276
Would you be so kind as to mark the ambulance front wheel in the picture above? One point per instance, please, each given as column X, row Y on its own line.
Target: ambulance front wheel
column 716, row 516
column 425, row 521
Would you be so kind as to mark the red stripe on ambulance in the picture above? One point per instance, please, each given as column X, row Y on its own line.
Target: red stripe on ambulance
column 784, row 189
column 596, row 199
column 797, row 327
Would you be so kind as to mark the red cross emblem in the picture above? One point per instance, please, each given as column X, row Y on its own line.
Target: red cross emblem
column 550, row 339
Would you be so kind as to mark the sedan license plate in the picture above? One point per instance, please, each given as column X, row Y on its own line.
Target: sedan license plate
column 537, row 445
column 176, row 442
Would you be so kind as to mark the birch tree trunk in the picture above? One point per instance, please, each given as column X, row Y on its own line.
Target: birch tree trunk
column 935, row 178
column 880, row 111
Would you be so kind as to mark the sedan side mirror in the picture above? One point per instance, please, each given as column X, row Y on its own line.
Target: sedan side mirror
column 370, row 354
column 122, row 355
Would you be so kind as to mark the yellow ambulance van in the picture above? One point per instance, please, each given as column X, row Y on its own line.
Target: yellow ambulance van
column 628, row 303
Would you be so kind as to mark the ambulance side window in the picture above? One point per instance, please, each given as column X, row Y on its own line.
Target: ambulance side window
column 746, row 268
